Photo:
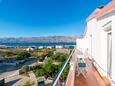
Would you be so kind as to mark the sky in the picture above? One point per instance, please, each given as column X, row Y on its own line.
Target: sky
column 32, row 18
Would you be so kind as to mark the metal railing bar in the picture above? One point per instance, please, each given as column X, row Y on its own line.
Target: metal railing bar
column 56, row 78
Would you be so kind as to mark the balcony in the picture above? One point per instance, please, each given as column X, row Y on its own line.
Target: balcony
column 91, row 78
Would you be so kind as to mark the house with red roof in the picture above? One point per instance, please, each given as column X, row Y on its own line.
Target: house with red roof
column 98, row 42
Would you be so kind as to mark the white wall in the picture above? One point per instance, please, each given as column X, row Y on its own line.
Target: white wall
column 82, row 44
column 97, row 43
column 113, row 47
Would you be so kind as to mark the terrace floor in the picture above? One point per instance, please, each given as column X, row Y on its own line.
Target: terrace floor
column 93, row 77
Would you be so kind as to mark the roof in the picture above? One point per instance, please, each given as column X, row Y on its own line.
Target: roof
column 102, row 10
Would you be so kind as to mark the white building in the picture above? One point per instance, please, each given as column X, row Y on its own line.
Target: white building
column 30, row 49
column 50, row 47
column 99, row 39
column 40, row 47
column 57, row 46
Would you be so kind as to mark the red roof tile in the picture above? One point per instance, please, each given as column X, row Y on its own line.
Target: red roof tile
column 103, row 10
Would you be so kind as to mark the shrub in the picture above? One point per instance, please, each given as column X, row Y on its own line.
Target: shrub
column 23, row 55
column 25, row 68
column 39, row 72
column 28, row 83
column 60, row 57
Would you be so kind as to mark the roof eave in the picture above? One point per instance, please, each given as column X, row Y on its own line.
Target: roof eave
column 87, row 20
column 106, row 13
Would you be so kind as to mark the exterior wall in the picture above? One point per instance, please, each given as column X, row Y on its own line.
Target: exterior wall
column 82, row 44
column 94, row 39
column 113, row 47
column 104, row 23
column 97, row 41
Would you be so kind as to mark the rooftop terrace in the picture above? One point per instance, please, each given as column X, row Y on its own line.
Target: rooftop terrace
column 92, row 77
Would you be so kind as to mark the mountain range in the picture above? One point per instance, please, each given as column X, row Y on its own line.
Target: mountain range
column 39, row 39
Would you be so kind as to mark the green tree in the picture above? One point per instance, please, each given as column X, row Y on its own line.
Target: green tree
column 65, row 72
column 28, row 83
column 71, row 47
column 48, row 67
column 60, row 57
column 50, row 53
column 25, row 68
column 9, row 53
column 39, row 72
column 37, row 67
column 23, row 55
column 49, row 60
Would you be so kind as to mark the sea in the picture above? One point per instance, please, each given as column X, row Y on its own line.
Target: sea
column 39, row 44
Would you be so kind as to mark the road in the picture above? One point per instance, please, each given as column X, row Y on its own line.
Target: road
column 16, row 80
column 13, row 79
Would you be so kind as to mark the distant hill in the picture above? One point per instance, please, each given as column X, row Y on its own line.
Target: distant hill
column 38, row 39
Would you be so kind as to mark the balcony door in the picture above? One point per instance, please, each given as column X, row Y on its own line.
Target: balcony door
column 109, row 53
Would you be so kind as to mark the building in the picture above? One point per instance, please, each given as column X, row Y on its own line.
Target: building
column 98, row 42
column 41, row 47
column 30, row 49
column 59, row 47
column 58, row 50
column 49, row 47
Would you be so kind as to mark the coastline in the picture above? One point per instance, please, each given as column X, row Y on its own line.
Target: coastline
column 39, row 44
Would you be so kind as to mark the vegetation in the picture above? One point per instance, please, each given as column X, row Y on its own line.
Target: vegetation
column 25, row 68
column 50, row 70
column 47, row 70
column 59, row 57
column 51, row 65
column 23, row 55
column 69, row 47
column 65, row 72
column 7, row 54
column 28, row 83
column 49, row 61
column 39, row 72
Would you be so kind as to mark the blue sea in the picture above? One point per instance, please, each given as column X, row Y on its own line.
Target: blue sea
column 38, row 44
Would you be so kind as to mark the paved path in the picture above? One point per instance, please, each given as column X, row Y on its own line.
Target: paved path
column 11, row 75
column 7, row 74
column 16, row 80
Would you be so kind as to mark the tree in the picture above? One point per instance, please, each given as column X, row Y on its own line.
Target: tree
column 48, row 67
column 60, row 57
column 9, row 53
column 49, row 60
column 28, row 83
column 65, row 72
column 23, row 55
column 37, row 67
column 71, row 47
column 50, row 53
column 39, row 72
column 25, row 68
